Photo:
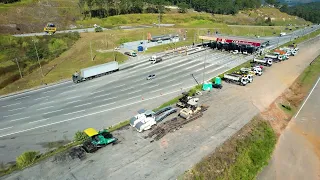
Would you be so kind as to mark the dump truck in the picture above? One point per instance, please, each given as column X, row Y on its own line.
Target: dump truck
column 240, row 74
column 241, row 80
column 265, row 62
column 50, row 28
column 97, row 139
column 95, row 71
column 254, row 70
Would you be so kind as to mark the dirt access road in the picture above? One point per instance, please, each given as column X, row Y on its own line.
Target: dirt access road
column 135, row 158
column 297, row 154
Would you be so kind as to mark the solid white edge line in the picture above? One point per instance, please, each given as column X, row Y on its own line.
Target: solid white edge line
column 307, row 98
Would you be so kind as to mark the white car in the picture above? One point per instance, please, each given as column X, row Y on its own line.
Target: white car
column 151, row 76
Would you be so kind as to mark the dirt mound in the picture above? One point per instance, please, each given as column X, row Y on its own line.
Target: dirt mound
column 73, row 153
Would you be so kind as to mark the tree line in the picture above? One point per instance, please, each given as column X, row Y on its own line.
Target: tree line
column 105, row 8
column 9, row 1
column 309, row 11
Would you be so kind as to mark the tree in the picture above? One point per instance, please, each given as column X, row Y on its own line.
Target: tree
column 183, row 7
column 272, row 2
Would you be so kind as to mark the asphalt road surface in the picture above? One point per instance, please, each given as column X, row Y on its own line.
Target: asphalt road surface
column 31, row 120
column 77, row 30
column 297, row 153
column 136, row 158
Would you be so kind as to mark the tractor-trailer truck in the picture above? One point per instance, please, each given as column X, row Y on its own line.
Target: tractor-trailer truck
column 265, row 62
column 95, row 71
column 235, row 79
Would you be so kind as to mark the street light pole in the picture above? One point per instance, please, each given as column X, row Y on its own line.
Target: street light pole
column 38, row 57
column 204, row 66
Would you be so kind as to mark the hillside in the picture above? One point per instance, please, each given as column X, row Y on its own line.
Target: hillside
column 31, row 16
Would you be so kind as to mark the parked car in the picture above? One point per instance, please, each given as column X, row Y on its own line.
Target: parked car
column 151, row 76
column 133, row 54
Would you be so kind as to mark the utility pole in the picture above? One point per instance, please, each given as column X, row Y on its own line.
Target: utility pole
column 91, row 51
column 38, row 57
column 19, row 68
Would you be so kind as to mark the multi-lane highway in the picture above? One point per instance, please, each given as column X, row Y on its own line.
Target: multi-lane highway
column 29, row 121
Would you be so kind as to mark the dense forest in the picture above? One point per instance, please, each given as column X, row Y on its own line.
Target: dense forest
column 8, row 1
column 105, row 8
column 309, row 11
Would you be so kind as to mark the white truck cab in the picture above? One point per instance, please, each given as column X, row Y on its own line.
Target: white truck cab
column 155, row 59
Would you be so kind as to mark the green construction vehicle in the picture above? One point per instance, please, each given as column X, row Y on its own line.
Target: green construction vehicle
column 97, row 139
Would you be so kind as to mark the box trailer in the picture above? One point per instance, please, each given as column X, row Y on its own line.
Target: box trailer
column 95, row 71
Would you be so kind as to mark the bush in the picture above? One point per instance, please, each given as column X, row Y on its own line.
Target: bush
column 9, row 80
column 81, row 136
column 26, row 158
column 57, row 44
column 193, row 91
column 98, row 29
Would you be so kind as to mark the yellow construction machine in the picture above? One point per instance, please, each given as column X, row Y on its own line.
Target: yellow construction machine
column 50, row 28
